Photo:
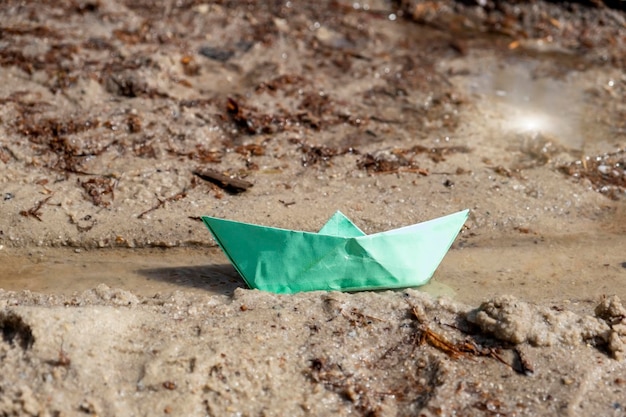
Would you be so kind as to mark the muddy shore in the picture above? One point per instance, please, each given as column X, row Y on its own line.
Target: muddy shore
column 124, row 121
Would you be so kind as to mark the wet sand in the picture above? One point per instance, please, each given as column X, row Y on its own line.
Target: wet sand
column 114, row 300
column 568, row 269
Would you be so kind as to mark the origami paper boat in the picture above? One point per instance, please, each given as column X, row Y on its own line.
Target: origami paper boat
column 339, row 257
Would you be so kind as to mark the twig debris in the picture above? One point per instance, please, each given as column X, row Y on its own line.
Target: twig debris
column 161, row 202
column 35, row 211
column 228, row 183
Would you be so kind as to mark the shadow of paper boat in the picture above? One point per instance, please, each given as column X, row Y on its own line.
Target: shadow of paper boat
column 339, row 257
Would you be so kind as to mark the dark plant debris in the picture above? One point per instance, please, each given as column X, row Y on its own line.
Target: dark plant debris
column 200, row 154
column 313, row 155
column 355, row 388
column 412, row 384
column 250, row 150
column 133, row 122
column 288, row 83
column 524, row 364
column 215, row 53
column 251, row 121
column 38, row 131
column 6, row 154
column 35, row 211
column 144, row 148
column 437, row 153
column 129, row 84
column 100, row 190
column 537, row 151
column 517, row 25
column 228, row 183
column 161, row 202
column 389, row 164
column 51, row 136
column 286, row 203
column 315, row 110
column 506, row 172
column 606, row 172
column 476, row 345
column 403, row 160
column 411, row 374
column 63, row 359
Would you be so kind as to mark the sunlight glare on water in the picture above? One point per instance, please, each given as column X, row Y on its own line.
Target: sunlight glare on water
column 520, row 100
column 531, row 122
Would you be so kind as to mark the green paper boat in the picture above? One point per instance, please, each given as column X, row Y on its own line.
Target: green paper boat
column 339, row 257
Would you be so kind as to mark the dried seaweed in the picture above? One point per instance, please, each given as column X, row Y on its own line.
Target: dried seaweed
column 10, row 57
column 506, row 172
column 251, row 120
column 606, row 173
column 51, row 135
column 399, row 373
column 538, row 150
column 133, row 122
column 313, row 155
column 39, row 131
column 470, row 347
column 129, row 84
column 251, row 149
column 57, row 61
column 35, row 211
column 315, row 110
column 36, row 31
column 200, row 154
column 100, row 190
column 161, row 202
column 315, row 106
column 403, row 160
column 388, row 164
column 287, row 83
column 438, row 153
column 410, row 383
column 143, row 148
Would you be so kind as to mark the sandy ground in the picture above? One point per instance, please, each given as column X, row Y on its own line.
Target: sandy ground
column 109, row 352
column 392, row 112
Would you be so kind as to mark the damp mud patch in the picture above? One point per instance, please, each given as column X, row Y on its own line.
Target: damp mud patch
column 15, row 331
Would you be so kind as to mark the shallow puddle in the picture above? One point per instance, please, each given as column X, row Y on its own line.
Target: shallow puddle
column 535, row 269
column 142, row 271
column 532, row 103
column 549, row 97
column 544, row 269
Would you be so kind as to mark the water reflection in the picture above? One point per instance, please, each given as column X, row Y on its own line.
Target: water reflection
column 219, row 279
column 526, row 101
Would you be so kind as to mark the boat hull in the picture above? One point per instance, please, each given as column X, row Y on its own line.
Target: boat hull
column 289, row 261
